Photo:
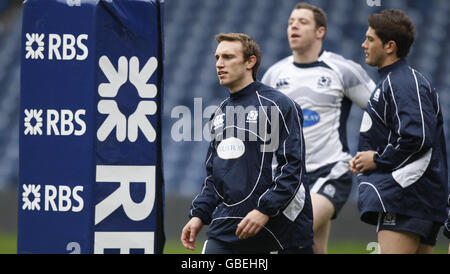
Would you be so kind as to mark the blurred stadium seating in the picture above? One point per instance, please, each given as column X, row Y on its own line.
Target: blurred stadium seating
column 190, row 26
column 10, row 41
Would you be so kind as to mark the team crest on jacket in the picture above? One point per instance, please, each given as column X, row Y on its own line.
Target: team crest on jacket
column 252, row 116
column 218, row 121
column 324, row 82
column 376, row 95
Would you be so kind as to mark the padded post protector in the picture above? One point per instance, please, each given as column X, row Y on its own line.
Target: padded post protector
column 90, row 166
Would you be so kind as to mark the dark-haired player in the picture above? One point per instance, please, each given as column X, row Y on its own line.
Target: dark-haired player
column 402, row 162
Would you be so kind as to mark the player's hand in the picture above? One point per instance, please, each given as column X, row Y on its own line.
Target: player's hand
column 190, row 232
column 352, row 167
column 251, row 224
column 364, row 161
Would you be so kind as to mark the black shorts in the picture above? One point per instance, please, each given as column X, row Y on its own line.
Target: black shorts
column 334, row 182
column 213, row 246
column 427, row 230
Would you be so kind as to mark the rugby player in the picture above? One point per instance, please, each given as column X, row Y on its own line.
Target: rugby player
column 325, row 85
column 402, row 159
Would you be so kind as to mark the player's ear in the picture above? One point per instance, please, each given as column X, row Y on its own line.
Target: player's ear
column 390, row 47
column 251, row 62
column 321, row 32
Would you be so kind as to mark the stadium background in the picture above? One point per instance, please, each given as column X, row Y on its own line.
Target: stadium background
column 190, row 26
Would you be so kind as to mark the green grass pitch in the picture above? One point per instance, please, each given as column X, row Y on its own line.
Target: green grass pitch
column 8, row 245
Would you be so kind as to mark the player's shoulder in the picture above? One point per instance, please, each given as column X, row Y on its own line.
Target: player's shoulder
column 350, row 71
column 338, row 61
column 281, row 64
column 273, row 96
column 405, row 77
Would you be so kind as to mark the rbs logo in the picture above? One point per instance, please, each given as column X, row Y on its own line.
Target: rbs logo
column 59, row 122
column 62, row 198
column 56, row 47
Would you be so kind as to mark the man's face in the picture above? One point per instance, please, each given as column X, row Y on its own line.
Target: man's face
column 230, row 64
column 374, row 49
column 301, row 30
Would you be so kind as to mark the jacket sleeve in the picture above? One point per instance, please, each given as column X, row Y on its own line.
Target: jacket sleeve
column 447, row 222
column 412, row 122
column 207, row 200
column 289, row 155
column 358, row 86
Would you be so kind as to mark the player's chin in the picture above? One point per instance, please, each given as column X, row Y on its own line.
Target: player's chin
column 295, row 45
column 224, row 82
column 370, row 62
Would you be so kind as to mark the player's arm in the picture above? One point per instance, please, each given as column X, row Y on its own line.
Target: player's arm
column 358, row 86
column 202, row 206
column 413, row 120
column 289, row 154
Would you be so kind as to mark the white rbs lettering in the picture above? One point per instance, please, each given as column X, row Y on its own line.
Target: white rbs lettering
column 126, row 175
column 68, row 47
column 60, row 199
column 63, row 122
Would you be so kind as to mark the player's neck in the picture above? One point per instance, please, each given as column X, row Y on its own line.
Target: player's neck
column 241, row 84
column 307, row 56
column 389, row 60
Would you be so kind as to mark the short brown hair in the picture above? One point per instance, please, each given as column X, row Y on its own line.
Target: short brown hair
column 319, row 15
column 394, row 25
column 250, row 47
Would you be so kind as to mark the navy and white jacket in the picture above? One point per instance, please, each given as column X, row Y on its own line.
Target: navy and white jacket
column 251, row 130
column 403, row 123
column 447, row 222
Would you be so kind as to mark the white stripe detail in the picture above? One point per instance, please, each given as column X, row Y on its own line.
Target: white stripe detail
column 378, row 115
column 281, row 170
column 438, row 104
column 279, row 110
column 396, row 107
column 379, row 221
column 337, row 171
column 268, row 230
column 376, row 190
column 262, row 107
column 412, row 172
column 398, row 117
column 284, row 153
column 204, row 186
column 204, row 247
column 423, row 123
column 295, row 207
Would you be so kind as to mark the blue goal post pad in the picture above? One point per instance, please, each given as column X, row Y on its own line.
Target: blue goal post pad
column 90, row 168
